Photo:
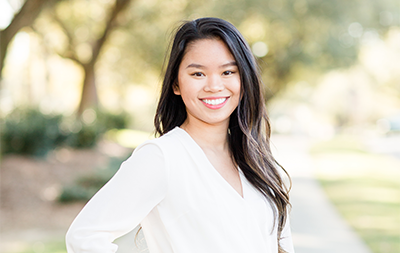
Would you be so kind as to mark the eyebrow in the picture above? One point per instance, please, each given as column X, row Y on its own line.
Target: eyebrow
column 195, row 65
column 232, row 63
column 199, row 66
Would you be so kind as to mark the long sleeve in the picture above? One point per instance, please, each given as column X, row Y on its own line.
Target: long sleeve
column 138, row 186
column 286, row 237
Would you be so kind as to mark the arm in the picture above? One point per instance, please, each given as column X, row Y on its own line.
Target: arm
column 286, row 237
column 138, row 186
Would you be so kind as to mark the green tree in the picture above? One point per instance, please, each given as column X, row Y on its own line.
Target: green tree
column 303, row 37
column 24, row 17
column 95, row 29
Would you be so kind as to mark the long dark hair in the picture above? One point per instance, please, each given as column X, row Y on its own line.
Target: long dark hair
column 249, row 124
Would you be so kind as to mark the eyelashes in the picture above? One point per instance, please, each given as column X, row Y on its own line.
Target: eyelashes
column 197, row 74
column 225, row 73
column 228, row 72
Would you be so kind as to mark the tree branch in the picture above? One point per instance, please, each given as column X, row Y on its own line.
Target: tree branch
column 26, row 15
column 70, row 52
column 118, row 7
column 71, row 57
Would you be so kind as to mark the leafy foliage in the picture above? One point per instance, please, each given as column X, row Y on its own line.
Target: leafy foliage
column 86, row 186
column 108, row 120
column 28, row 131
column 303, row 38
column 85, row 137
column 300, row 34
column 85, row 133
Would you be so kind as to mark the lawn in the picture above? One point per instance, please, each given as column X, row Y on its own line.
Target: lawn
column 50, row 246
column 364, row 187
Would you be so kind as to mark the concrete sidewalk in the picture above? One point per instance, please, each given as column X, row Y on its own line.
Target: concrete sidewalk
column 316, row 225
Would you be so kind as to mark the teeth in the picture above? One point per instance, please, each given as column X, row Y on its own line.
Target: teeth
column 214, row 101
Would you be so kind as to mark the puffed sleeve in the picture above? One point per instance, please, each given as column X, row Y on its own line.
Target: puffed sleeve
column 138, row 186
column 286, row 237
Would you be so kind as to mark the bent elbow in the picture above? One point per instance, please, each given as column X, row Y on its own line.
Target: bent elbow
column 71, row 241
column 79, row 241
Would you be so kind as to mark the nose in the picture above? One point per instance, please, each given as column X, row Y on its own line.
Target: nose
column 214, row 84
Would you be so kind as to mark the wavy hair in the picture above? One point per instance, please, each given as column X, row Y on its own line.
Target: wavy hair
column 249, row 126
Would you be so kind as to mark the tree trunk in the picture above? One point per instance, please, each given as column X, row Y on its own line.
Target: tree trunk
column 89, row 98
column 26, row 16
column 3, row 50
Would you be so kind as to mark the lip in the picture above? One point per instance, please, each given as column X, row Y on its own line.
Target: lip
column 214, row 107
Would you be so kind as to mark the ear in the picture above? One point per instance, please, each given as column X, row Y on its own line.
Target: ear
column 176, row 89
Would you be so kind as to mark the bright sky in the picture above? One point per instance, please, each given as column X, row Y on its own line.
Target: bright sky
column 5, row 14
column 7, row 11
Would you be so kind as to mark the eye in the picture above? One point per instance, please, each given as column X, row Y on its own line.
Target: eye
column 227, row 73
column 198, row 74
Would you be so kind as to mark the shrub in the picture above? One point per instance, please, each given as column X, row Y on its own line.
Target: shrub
column 85, row 137
column 86, row 186
column 108, row 120
column 86, row 133
column 28, row 131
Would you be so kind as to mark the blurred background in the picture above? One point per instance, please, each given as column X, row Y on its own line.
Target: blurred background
column 79, row 82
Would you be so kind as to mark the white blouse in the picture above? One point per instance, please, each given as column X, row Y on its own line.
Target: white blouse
column 182, row 203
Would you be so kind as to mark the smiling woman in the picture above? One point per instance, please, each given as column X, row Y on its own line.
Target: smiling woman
column 209, row 83
column 209, row 183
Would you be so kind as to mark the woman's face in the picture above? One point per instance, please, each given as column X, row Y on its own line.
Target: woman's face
column 208, row 82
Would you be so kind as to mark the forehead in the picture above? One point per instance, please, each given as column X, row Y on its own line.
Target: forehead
column 210, row 48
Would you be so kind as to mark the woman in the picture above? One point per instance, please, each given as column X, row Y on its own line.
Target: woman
column 209, row 183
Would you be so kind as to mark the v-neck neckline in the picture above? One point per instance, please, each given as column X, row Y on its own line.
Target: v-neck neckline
column 215, row 171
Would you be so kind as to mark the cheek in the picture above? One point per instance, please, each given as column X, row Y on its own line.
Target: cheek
column 237, row 91
column 237, row 87
column 181, row 87
column 187, row 87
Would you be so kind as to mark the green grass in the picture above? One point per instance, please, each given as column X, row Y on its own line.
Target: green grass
column 365, row 188
column 54, row 246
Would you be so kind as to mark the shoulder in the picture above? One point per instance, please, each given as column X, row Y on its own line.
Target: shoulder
column 165, row 142
column 156, row 155
column 165, row 146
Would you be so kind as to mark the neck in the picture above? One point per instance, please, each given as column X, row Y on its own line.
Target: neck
column 213, row 137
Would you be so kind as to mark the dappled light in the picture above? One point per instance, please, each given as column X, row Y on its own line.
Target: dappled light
column 80, row 80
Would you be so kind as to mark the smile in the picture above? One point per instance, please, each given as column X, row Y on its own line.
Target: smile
column 214, row 101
